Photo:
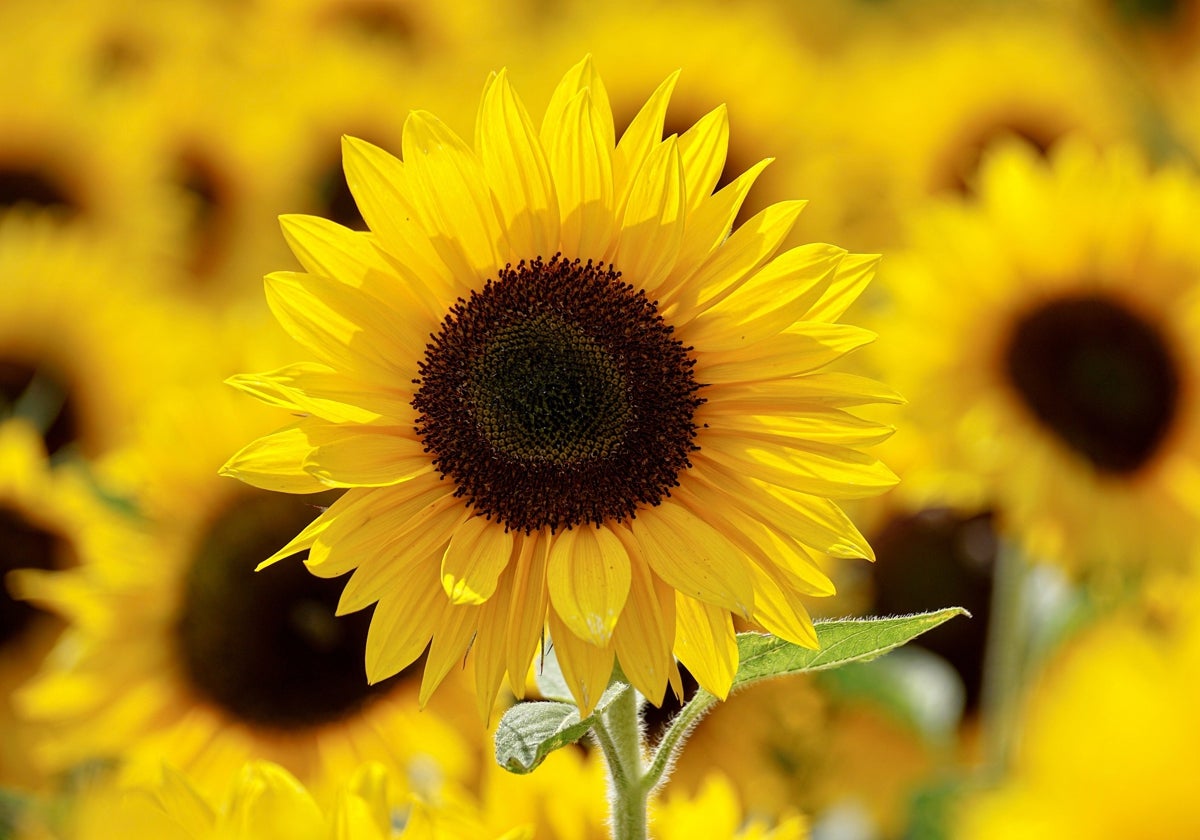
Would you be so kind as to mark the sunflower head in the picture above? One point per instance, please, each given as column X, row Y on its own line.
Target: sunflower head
column 563, row 393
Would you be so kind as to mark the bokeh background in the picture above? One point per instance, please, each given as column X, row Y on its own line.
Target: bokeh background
column 1028, row 171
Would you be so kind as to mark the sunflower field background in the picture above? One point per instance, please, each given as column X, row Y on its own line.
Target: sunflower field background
column 1028, row 170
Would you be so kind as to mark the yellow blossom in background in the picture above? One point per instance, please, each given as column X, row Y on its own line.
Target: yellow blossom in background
column 177, row 651
column 49, row 519
column 1109, row 745
column 935, row 110
column 558, row 452
column 1049, row 357
column 80, row 344
column 262, row 801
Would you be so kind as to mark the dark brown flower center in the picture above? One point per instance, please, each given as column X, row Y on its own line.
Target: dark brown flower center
column 266, row 646
column 40, row 396
column 24, row 545
column 1099, row 377
column 24, row 184
column 557, row 396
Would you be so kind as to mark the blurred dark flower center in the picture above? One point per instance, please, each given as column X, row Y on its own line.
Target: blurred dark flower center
column 23, row 545
column 1099, row 376
column 25, row 184
column 266, row 646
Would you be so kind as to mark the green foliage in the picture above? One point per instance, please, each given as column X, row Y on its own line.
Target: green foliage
column 530, row 731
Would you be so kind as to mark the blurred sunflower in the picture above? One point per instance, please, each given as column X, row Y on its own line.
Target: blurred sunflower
column 1133, row 678
column 560, row 391
column 59, row 154
column 1048, row 352
column 263, row 800
column 177, row 651
column 416, row 34
column 935, row 111
column 75, row 337
column 716, row 812
column 789, row 745
column 47, row 520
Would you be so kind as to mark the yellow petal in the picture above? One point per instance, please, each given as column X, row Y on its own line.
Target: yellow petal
column 490, row 648
column 364, row 523
column 582, row 167
column 581, row 77
column 402, row 625
column 451, row 197
column 381, row 188
column 694, row 558
column 274, row 462
column 813, row 520
column 705, row 643
column 415, row 549
column 747, row 249
column 853, row 275
column 709, row 225
column 586, row 668
column 703, row 148
column 347, row 328
column 787, row 354
column 833, row 472
column 319, row 390
column 643, row 135
column 783, row 396
column 759, row 538
column 364, row 456
column 479, row 551
column 530, row 601
column 588, row 579
column 448, row 648
column 768, row 302
column 652, row 231
column 780, row 611
column 645, row 635
column 326, row 248
column 517, row 172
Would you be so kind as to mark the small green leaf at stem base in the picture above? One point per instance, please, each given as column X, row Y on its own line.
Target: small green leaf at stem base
column 530, row 731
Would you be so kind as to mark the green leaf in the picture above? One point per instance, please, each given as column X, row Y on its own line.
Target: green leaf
column 847, row 640
column 529, row 732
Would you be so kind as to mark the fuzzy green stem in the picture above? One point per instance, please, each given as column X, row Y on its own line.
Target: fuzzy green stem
column 672, row 741
column 619, row 732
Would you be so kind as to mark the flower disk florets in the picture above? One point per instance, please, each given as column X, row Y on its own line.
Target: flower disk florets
column 557, row 395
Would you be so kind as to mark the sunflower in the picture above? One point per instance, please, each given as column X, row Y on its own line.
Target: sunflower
column 261, row 800
column 936, row 110
column 75, row 337
column 176, row 651
column 48, row 520
column 1131, row 677
column 1048, row 351
column 58, row 150
column 560, row 393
